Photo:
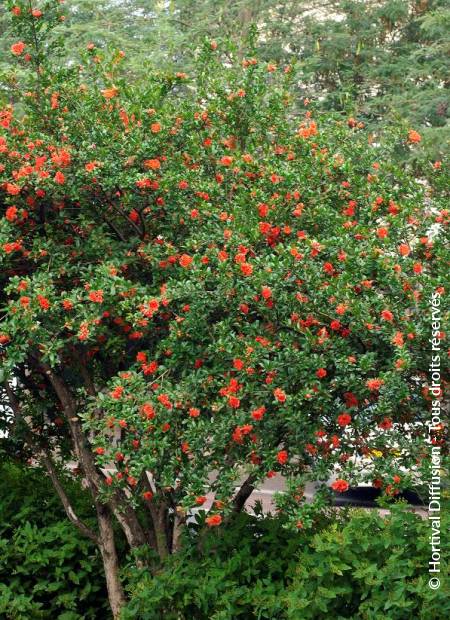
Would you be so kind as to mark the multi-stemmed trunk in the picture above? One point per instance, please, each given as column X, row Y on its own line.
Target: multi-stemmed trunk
column 165, row 525
column 107, row 546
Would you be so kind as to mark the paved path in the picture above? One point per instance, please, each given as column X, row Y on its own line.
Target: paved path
column 265, row 495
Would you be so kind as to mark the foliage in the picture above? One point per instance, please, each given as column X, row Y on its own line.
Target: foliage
column 356, row 565
column 219, row 324
column 385, row 61
column 199, row 278
column 28, row 495
column 47, row 569
column 382, row 61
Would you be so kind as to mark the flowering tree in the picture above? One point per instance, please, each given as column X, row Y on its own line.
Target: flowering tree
column 202, row 285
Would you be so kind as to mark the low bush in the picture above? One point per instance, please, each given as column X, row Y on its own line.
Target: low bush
column 47, row 569
column 358, row 565
column 353, row 564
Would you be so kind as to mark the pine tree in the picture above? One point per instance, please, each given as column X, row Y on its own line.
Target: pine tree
column 380, row 61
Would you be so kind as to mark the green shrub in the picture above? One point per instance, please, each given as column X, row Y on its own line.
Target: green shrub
column 367, row 568
column 359, row 566
column 27, row 494
column 47, row 569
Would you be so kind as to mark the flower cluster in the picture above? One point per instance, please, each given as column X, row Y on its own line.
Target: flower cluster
column 226, row 287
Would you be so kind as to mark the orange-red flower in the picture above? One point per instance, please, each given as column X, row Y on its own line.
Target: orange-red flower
column 414, row 137
column 11, row 214
column 404, row 249
column 148, row 411
column 282, row 457
column 110, row 93
column 12, row 189
column 152, row 164
column 96, row 296
column 279, row 395
column 117, row 392
column 246, row 269
column 43, row 302
column 226, row 160
column 398, row 339
column 344, row 419
column 234, row 402
column 385, row 424
column 90, row 166
column 60, row 178
column 266, row 292
column 374, row 384
column 185, row 260
column 83, row 333
column 18, row 48
column 257, row 414
column 213, row 521
column 340, row 485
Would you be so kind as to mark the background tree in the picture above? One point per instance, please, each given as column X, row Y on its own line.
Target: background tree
column 384, row 61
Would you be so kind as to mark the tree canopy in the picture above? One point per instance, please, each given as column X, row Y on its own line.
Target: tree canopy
column 204, row 284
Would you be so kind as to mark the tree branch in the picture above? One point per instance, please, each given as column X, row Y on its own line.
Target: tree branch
column 123, row 512
column 44, row 457
column 244, row 493
column 84, row 529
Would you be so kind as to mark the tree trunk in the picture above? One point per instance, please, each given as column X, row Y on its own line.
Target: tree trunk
column 128, row 521
column 108, row 551
column 159, row 517
column 178, row 526
column 125, row 515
